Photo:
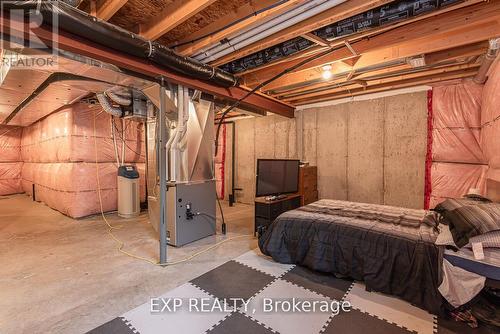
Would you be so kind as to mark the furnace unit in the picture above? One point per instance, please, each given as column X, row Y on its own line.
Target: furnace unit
column 191, row 194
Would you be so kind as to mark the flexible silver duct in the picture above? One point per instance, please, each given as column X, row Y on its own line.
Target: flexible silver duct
column 106, row 105
column 119, row 99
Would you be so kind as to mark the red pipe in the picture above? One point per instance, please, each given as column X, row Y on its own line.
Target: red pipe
column 428, row 157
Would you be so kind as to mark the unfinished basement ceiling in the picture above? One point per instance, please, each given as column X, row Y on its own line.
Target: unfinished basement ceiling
column 309, row 51
column 30, row 94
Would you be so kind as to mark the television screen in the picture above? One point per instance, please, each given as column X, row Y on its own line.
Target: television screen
column 276, row 177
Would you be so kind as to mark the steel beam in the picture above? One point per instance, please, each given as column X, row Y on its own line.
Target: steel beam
column 68, row 42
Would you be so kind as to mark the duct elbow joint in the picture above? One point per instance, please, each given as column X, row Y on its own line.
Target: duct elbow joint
column 106, row 105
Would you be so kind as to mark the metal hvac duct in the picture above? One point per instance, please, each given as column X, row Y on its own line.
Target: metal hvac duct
column 81, row 24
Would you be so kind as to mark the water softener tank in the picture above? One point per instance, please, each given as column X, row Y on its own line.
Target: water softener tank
column 128, row 192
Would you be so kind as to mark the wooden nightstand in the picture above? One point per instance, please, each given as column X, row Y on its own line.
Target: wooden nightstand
column 267, row 211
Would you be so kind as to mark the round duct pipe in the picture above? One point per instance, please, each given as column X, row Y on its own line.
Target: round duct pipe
column 81, row 24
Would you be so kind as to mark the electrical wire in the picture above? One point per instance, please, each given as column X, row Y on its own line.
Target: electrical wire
column 121, row 138
column 120, row 244
column 222, row 215
column 261, row 85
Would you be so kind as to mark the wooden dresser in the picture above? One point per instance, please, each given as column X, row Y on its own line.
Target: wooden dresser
column 308, row 184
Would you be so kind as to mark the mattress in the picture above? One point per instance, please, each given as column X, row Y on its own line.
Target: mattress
column 398, row 259
column 489, row 267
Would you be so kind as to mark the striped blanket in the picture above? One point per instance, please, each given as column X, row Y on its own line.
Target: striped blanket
column 381, row 213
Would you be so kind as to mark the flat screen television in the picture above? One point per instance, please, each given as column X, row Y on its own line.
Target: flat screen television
column 277, row 177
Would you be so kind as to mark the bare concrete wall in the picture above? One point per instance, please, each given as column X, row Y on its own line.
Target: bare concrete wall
column 367, row 151
column 271, row 137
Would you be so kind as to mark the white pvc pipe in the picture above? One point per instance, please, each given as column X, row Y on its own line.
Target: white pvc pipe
column 123, row 141
column 257, row 30
column 268, row 28
column 182, row 142
column 174, row 166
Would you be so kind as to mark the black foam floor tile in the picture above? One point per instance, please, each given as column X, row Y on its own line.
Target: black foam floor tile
column 115, row 326
column 232, row 280
column 325, row 284
column 356, row 322
column 450, row 326
column 238, row 323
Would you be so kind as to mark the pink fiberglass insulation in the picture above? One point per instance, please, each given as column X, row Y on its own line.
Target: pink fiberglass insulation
column 59, row 152
column 453, row 180
column 491, row 96
column 220, row 161
column 457, row 123
column 68, row 136
column 458, row 161
column 490, row 134
column 71, row 188
column 10, row 143
column 10, row 160
column 10, row 178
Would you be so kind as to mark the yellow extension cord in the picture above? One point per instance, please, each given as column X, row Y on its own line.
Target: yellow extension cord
column 121, row 244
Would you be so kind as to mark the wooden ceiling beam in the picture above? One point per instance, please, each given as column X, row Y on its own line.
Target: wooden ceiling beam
column 465, row 51
column 458, row 28
column 353, row 91
column 432, row 59
column 346, row 76
column 332, row 15
column 171, row 16
column 105, row 9
column 277, row 66
column 316, row 39
column 193, row 48
column 390, row 79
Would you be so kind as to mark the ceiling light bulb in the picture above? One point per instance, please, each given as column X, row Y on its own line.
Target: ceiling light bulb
column 327, row 72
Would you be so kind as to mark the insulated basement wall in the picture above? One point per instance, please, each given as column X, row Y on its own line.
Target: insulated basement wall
column 223, row 161
column 458, row 162
column 490, row 134
column 10, row 160
column 368, row 151
column 60, row 154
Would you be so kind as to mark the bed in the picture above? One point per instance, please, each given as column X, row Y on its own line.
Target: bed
column 488, row 267
column 391, row 249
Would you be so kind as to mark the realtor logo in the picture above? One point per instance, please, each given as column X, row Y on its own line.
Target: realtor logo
column 28, row 35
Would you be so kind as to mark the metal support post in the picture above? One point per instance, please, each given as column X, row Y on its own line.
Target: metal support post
column 162, row 160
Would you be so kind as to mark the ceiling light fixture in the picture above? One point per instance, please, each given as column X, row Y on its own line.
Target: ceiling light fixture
column 327, row 72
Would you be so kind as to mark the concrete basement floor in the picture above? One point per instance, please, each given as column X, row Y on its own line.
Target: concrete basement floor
column 60, row 275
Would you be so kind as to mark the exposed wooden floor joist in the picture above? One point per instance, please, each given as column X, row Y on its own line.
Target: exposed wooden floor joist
column 446, row 37
column 451, row 30
column 171, row 16
column 105, row 9
column 192, row 48
column 391, row 85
